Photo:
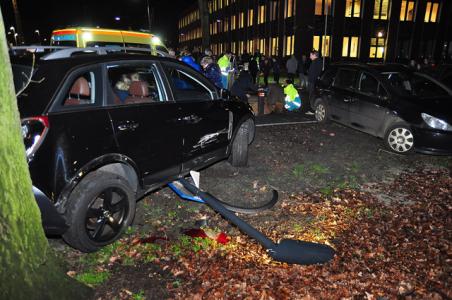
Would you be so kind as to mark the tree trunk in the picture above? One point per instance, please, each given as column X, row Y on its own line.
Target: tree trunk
column 204, row 15
column 18, row 22
column 28, row 267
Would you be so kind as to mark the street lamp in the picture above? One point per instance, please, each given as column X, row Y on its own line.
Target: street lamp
column 39, row 35
column 13, row 30
column 117, row 18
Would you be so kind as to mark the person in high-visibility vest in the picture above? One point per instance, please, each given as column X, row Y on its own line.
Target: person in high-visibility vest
column 293, row 100
column 225, row 66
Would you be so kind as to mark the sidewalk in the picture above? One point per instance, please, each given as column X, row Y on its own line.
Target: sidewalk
column 285, row 118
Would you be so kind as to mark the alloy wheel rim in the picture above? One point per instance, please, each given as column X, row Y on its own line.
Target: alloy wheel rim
column 320, row 112
column 106, row 215
column 401, row 140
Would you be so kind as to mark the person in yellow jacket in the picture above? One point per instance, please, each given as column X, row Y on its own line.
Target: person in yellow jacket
column 292, row 99
column 225, row 66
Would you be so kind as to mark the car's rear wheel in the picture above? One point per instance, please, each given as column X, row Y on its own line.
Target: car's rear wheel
column 400, row 139
column 100, row 208
column 320, row 111
column 239, row 151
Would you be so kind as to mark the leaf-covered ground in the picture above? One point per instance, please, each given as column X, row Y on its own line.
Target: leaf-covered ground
column 399, row 247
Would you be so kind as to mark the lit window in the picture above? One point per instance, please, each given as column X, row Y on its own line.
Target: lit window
column 262, row 46
column 431, row 12
column 289, row 9
column 350, row 46
column 323, row 7
column 274, row 46
column 381, row 9
column 289, row 45
column 407, row 10
column 242, row 19
column 233, row 19
column 377, row 47
column 261, row 16
column 322, row 45
column 250, row 46
column 241, row 47
column 353, row 8
column 250, row 17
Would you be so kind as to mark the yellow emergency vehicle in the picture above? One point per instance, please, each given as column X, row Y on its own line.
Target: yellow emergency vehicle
column 83, row 37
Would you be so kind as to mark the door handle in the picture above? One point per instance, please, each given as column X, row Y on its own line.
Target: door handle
column 128, row 126
column 351, row 99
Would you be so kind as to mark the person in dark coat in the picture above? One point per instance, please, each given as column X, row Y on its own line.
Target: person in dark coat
column 189, row 60
column 276, row 69
column 243, row 85
column 254, row 69
column 266, row 68
column 314, row 71
column 211, row 70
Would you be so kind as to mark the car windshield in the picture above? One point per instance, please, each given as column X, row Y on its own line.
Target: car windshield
column 415, row 84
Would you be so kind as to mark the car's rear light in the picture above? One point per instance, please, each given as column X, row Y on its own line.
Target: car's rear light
column 34, row 131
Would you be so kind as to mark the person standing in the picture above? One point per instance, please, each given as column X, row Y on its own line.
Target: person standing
column 314, row 71
column 291, row 66
column 276, row 69
column 225, row 66
column 189, row 60
column 266, row 67
column 302, row 71
column 254, row 69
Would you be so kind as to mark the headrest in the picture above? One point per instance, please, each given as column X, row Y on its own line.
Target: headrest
column 80, row 87
column 139, row 89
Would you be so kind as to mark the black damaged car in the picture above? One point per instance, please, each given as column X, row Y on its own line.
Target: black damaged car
column 409, row 110
column 101, row 131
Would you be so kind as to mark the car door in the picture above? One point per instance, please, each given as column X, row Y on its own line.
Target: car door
column 81, row 129
column 206, row 119
column 343, row 93
column 145, row 120
column 368, row 112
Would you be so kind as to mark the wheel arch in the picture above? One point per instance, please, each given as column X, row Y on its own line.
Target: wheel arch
column 111, row 163
column 390, row 121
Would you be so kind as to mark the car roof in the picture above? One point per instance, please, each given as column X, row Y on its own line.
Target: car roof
column 373, row 67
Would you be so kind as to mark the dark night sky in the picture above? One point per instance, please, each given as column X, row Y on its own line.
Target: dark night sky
column 47, row 15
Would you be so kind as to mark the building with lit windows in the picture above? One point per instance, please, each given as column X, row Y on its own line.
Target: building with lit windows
column 364, row 30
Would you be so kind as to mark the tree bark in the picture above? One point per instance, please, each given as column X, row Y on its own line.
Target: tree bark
column 28, row 267
column 204, row 15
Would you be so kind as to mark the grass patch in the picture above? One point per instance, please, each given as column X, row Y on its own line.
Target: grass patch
column 312, row 170
column 93, row 278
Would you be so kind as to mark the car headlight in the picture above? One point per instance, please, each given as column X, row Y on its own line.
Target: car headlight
column 435, row 122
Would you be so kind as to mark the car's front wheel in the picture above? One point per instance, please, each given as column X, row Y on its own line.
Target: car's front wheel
column 320, row 111
column 100, row 208
column 239, row 151
column 400, row 139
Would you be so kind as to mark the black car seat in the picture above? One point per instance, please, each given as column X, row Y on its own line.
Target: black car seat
column 79, row 93
column 139, row 92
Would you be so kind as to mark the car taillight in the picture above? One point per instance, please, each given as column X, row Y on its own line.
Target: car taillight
column 34, row 131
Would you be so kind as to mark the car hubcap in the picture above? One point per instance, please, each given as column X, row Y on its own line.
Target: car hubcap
column 106, row 215
column 401, row 140
column 320, row 112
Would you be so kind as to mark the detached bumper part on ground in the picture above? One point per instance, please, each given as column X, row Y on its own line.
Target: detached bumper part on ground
column 289, row 251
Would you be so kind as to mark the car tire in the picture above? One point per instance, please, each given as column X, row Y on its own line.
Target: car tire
column 321, row 111
column 100, row 209
column 399, row 139
column 239, row 152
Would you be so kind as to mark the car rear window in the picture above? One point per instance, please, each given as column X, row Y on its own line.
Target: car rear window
column 414, row 84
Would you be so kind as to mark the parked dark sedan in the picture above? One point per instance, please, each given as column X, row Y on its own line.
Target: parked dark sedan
column 102, row 130
column 409, row 110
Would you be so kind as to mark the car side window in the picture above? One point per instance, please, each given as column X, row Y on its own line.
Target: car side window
column 326, row 80
column 368, row 84
column 186, row 87
column 82, row 90
column 130, row 84
column 345, row 79
column 424, row 87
